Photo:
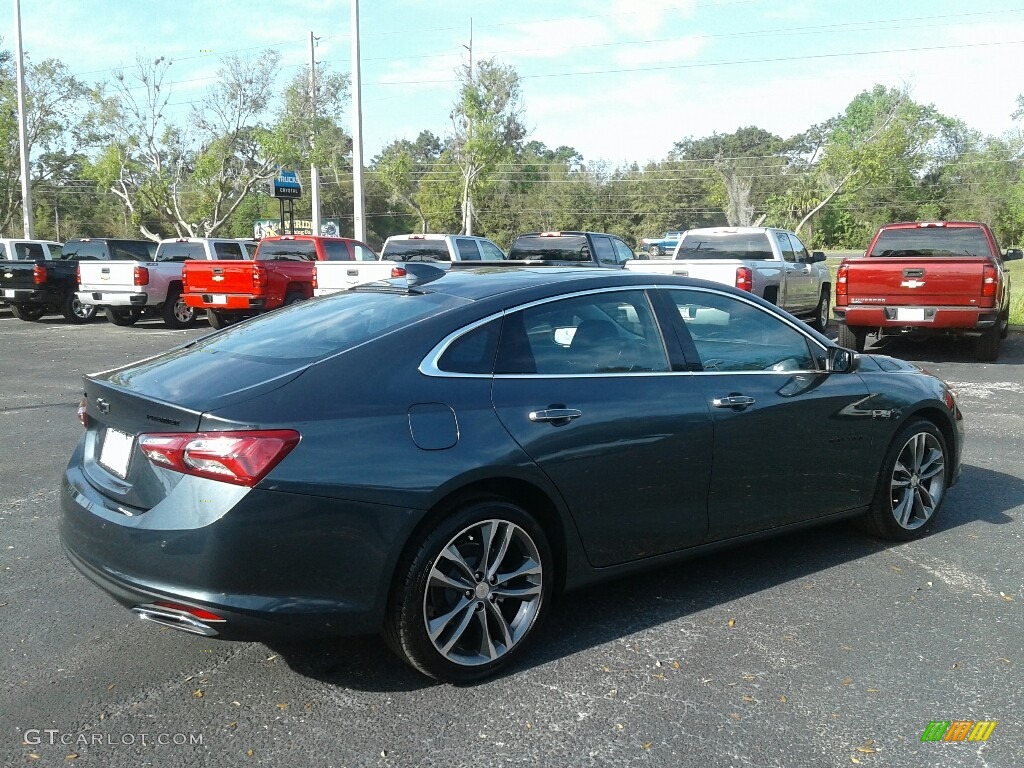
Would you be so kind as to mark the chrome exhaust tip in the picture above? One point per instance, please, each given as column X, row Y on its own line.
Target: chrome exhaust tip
column 175, row 619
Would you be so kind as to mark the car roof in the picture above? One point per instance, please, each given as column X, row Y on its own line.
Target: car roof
column 732, row 230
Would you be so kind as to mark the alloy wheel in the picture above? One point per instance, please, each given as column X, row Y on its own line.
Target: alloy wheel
column 483, row 592
column 918, row 481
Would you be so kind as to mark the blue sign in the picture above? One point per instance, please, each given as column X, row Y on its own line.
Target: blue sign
column 287, row 185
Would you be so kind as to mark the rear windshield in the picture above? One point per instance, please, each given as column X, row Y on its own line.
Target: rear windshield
column 118, row 250
column 932, row 241
column 416, row 250
column 551, row 248
column 752, row 246
column 315, row 329
column 287, row 250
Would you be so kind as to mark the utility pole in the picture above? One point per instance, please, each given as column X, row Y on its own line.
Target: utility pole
column 26, row 181
column 358, row 206
column 314, row 174
column 467, row 203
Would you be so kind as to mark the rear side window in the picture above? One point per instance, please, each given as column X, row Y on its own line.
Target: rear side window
column 179, row 251
column 3, row 252
column 746, row 247
column 286, row 250
column 29, row 250
column 468, row 249
column 932, row 241
column 228, row 251
column 472, row 352
column 336, row 250
column 416, row 250
column 550, row 247
column 250, row 250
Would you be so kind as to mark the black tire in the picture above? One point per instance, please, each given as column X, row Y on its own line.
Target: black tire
column 986, row 346
column 911, row 484
column 217, row 319
column 28, row 312
column 1004, row 325
column 771, row 294
column 175, row 312
column 293, row 297
column 821, row 312
column 122, row 316
column 75, row 311
column 852, row 339
column 481, row 621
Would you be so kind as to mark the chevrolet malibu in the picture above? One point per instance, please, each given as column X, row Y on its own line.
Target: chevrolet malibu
column 435, row 462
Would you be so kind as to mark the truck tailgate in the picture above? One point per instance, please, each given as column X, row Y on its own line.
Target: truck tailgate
column 716, row 270
column 943, row 280
column 333, row 276
column 18, row 275
column 104, row 275
column 218, row 276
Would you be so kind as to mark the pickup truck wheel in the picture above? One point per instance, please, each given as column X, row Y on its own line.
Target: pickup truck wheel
column 176, row 313
column 216, row 319
column 28, row 312
column 911, row 485
column 294, row 297
column 822, row 310
column 1004, row 325
column 75, row 311
column 852, row 339
column 986, row 346
column 472, row 593
column 122, row 317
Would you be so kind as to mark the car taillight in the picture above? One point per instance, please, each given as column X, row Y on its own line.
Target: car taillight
column 841, row 280
column 184, row 279
column 989, row 280
column 259, row 275
column 315, row 283
column 398, row 272
column 240, row 458
column 744, row 278
column 38, row 274
column 83, row 416
column 78, row 275
column 141, row 276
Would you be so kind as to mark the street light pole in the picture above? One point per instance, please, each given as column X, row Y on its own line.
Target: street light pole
column 358, row 206
column 26, row 185
column 314, row 173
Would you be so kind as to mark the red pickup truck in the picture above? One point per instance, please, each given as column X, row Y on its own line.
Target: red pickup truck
column 280, row 273
column 943, row 277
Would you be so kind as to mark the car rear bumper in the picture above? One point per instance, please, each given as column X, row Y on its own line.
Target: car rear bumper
column 273, row 565
column 918, row 318
column 112, row 298
column 24, row 296
column 225, row 302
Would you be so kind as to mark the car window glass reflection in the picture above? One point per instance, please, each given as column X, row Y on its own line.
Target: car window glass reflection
column 612, row 332
column 732, row 335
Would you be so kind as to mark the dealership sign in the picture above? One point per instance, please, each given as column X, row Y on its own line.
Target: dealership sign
column 287, row 185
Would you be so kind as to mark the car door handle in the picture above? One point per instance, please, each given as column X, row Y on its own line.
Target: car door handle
column 555, row 414
column 738, row 402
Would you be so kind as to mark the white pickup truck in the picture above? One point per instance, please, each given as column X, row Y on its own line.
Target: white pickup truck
column 771, row 263
column 415, row 257
column 127, row 289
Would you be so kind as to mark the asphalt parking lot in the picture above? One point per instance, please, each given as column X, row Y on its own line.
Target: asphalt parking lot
column 822, row 648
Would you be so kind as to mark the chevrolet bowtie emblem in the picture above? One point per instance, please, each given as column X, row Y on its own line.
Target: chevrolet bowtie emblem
column 911, row 283
column 218, row 278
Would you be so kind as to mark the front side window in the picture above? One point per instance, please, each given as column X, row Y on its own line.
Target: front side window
column 800, row 249
column 732, row 335
column 623, row 252
column 363, row 253
column 598, row 333
column 491, row 252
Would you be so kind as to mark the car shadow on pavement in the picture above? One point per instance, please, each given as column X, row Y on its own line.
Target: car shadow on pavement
column 612, row 610
column 942, row 350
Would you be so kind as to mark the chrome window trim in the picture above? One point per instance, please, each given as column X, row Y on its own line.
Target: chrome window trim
column 429, row 365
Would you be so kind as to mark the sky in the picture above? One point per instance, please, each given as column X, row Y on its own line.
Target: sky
column 620, row 81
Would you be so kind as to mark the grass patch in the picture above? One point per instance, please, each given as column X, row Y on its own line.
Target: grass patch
column 1016, row 270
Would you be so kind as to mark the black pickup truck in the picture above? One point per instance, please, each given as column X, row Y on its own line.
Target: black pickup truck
column 577, row 249
column 34, row 287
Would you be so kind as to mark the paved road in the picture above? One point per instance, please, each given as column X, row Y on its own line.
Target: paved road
column 818, row 649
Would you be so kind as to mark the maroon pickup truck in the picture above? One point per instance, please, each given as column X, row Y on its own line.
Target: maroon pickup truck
column 943, row 277
column 280, row 273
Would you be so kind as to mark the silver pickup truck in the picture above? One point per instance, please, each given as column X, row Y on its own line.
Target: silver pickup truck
column 771, row 263
column 127, row 289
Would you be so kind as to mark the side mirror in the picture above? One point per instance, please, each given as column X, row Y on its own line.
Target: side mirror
column 842, row 360
column 817, row 257
column 1012, row 254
